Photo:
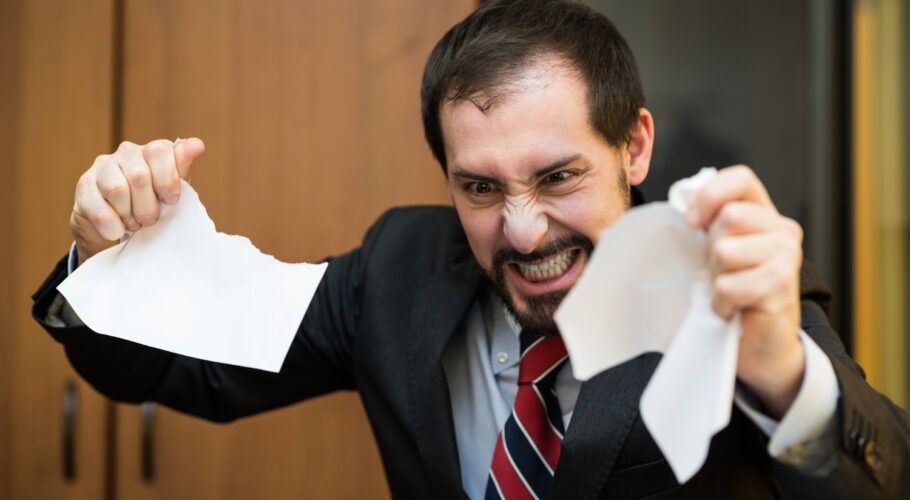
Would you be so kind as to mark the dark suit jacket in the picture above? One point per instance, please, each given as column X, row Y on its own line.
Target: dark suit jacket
column 379, row 323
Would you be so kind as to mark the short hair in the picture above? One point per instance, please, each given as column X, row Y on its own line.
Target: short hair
column 502, row 38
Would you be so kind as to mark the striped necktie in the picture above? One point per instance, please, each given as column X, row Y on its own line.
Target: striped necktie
column 528, row 445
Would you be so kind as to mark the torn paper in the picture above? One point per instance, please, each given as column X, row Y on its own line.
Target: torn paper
column 647, row 289
column 180, row 286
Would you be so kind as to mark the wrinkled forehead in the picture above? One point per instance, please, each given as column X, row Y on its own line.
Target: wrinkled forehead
column 544, row 115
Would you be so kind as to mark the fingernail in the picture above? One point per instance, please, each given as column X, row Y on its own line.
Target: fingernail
column 170, row 200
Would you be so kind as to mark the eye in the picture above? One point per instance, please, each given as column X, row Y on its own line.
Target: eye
column 559, row 177
column 479, row 187
column 561, row 182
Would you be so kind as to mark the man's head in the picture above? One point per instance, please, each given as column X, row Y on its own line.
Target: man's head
column 534, row 110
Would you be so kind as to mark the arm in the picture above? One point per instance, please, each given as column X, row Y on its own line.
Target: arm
column 317, row 362
column 879, row 465
column 756, row 260
column 121, row 192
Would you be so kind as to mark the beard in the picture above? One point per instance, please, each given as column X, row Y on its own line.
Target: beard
column 537, row 316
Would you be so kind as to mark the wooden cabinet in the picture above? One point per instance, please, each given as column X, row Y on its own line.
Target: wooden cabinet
column 55, row 116
column 310, row 114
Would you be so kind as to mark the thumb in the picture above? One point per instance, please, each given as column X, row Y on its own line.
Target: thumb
column 185, row 151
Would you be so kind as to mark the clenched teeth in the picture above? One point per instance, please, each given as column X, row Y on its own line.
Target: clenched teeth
column 548, row 269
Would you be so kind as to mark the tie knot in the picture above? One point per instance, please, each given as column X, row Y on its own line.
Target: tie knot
column 541, row 358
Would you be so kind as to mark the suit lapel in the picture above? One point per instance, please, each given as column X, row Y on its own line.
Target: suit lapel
column 442, row 301
column 606, row 409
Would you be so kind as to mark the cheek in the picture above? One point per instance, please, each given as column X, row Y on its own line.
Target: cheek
column 483, row 227
column 586, row 212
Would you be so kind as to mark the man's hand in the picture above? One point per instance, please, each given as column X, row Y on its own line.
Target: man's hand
column 121, row 191
column 755, row 256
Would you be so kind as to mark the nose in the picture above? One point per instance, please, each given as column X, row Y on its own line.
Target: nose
column 524, row 223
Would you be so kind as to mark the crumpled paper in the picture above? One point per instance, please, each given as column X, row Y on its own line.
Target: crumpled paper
column 647, row 289
column 181, row 286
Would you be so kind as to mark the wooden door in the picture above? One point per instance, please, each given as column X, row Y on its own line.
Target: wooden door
column 310, row 114
column 55, row 116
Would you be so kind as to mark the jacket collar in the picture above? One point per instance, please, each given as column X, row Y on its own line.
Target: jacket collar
column 444, row 299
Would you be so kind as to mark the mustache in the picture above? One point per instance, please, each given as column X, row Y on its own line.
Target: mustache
column 554, row 247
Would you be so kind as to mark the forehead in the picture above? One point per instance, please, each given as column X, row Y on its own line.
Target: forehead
column 541, row 116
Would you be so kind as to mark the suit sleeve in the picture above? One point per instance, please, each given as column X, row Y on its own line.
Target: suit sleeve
column 873, row 434
column 318, row 362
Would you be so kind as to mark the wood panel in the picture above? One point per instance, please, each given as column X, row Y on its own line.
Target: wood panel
column 55, row 101
column 310, row 114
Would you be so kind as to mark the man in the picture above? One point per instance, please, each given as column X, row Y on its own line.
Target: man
column 535, row 112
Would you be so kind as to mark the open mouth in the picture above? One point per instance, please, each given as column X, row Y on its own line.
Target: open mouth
column 549, row 268
column 553, row 273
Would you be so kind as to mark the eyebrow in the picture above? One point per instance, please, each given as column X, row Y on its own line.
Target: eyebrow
column 541, row 172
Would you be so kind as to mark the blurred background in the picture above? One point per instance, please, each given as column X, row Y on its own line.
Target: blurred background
column 310, row 114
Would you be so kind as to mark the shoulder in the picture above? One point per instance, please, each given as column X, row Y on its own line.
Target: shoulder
column 420, row 220
column 416, row 239
column 417, row 227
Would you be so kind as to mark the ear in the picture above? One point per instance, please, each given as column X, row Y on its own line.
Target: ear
column 640, row 147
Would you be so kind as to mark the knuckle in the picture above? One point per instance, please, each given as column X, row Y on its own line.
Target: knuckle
column 782, row 276
column 137, row 176
column 147, row 215
column 723, row 252
column 85, row 180
column 722, row 287
column 794, row 228
column 743, row 171
column 731, row 215
column 169, row 183
column 101, row 160
column 157, row 147
column 708, row 196
column 100, row 219
column 125, row 146
column 112, row 190
column 796, row 252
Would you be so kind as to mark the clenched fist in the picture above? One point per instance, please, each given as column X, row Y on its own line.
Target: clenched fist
column 755, row 255
column 120, row 192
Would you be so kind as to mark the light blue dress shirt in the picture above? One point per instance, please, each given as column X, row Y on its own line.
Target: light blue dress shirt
column 481, row 368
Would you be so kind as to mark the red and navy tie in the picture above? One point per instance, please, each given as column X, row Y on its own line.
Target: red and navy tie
column 528, row 445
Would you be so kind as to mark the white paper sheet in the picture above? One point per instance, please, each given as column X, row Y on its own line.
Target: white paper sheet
column 180, row 286
column 647, row 289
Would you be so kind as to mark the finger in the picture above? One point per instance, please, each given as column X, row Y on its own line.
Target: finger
column 159, row 155
column 736, row 183
column 90, row 206
column 735, row 253
column 115, row 189
column 748, row 288
column 742, row 217
column 88, row 240
column 185, row 152
column 138, row 175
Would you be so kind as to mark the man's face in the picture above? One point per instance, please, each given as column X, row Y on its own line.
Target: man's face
column 534, row 185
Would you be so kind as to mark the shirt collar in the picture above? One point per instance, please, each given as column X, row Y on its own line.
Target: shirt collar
column 502, row 333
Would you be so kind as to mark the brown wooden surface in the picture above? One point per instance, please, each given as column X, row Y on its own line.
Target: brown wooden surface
column 54, row 118
column 310, row 114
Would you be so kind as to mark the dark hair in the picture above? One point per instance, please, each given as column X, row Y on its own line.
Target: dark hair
column 495, row 43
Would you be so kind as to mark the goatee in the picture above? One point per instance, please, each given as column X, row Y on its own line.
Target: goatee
column 537, row 316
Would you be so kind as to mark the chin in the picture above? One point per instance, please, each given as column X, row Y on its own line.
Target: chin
column 534, row 313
